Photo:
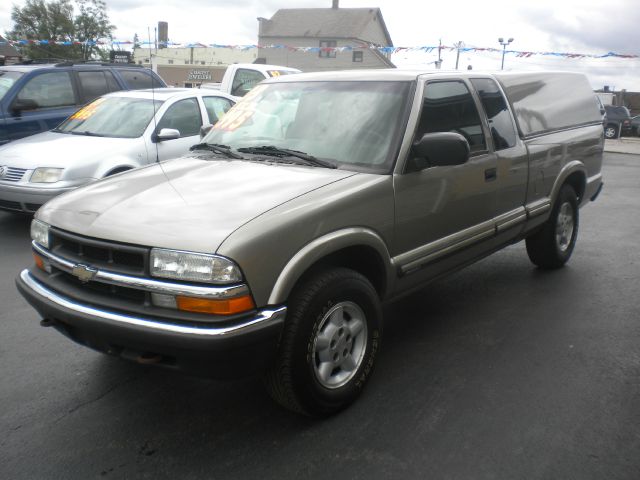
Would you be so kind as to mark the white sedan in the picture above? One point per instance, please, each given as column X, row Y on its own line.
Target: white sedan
column 112, row 134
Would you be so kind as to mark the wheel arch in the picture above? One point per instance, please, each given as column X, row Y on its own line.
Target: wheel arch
column 360, row 249
column 574, row 173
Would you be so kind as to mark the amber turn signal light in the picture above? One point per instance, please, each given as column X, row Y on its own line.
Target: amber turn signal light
column 215, row 307
column 39, row 262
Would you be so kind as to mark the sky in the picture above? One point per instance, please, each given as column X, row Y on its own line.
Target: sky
column 575, row 26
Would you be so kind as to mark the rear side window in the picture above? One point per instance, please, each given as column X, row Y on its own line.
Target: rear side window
column 495, row 106
column 95, row 84
column 449, row 107
column 49, row 90
column 216, row 107
column 138, row 79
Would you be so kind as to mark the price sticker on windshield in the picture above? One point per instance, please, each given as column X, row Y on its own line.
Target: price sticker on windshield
column 241, row 112
column 88, row 110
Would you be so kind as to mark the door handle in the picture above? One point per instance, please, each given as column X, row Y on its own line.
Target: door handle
column 490, row 174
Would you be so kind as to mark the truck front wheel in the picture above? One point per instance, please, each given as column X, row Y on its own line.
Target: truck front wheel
column 551, row 247
column 329, row 345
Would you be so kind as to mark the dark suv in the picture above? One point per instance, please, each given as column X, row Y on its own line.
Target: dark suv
column 617, row 118
column 35, row 98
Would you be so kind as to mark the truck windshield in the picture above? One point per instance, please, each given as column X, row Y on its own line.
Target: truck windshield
column 7, row 79
column 355, row 125
column 119, row 117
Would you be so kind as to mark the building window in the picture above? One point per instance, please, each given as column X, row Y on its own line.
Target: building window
column 170, row 62
column 357, row 56
column 201, row 63
column 325, row 44
column 186, row 62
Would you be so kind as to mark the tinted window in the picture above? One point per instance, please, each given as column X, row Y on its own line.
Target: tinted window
column 216, row 107
column 138, row 79
column 183, row 116
column 495, row 105
column 96, row 84
column 449, row 107
column 49, row 90
column 244, row 81
column 7, row 79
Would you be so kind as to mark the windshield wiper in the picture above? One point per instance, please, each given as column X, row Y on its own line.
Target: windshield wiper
column 285, row 152
column 217, row 148
column 84, row 132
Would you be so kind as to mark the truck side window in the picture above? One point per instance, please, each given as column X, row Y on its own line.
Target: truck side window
column 183, row 116
column 244, row 81
column 49, row 90
column 449, row 107
column 495, row 105
column 137, row 79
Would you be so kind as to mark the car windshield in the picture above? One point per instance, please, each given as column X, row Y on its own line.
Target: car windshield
column 121, row 117
column 355, row 125
column 7, row 79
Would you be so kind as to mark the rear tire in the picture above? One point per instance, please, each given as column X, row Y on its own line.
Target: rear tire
column 329, row 345
column 551, row 247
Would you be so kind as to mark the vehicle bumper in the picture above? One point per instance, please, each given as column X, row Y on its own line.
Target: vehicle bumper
column 221, row 351
column 21, row 198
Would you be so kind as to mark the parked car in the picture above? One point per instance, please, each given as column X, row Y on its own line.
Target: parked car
column 114, row 133
column 35, row 98
column 618, row 121
column 272, row 246
column 635, row 125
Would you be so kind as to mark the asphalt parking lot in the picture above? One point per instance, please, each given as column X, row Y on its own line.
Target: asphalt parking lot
column 497, row 372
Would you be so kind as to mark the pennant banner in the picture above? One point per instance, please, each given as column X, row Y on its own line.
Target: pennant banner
column 383, row 50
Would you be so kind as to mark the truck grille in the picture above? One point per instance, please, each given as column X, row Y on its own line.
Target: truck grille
column 14, row 174
column 115, row 257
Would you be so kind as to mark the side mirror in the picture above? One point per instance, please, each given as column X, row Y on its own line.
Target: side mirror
column 204, row 129
column 23, row 104
column 167, row 134
column 442, row 149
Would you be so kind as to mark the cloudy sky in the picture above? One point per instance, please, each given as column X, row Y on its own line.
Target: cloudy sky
column 578, row 26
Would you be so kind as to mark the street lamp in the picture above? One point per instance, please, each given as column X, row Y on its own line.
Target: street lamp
column 504, row 47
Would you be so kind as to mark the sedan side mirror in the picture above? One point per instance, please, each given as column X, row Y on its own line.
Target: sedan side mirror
column 442, row 149
column 167, row 134
column 204, row 129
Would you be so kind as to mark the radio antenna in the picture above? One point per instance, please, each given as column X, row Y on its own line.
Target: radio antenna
column 153, row 97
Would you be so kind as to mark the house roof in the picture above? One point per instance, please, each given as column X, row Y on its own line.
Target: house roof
column 324, row 23
column 7, row 50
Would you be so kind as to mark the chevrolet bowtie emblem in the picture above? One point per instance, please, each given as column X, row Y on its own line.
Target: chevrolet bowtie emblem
column 84, row 272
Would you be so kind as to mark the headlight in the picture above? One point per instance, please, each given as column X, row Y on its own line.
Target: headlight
column 40, row 233
column 197, row 267
column 46, row 175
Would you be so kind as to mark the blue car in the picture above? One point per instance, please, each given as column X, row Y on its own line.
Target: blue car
column 36, row 98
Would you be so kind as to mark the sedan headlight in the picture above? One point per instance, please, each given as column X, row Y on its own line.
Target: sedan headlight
column 40, row 233
column 197, row 267
column 46, row 175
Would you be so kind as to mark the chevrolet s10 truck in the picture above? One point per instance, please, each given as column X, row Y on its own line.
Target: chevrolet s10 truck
column 271, row 246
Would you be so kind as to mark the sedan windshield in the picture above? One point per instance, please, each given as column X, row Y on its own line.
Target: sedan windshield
column 7, row 79
column 121, row 117
column 354, row 125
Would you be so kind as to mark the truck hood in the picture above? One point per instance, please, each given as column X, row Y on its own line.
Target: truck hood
column 188, row 204
column 60, row 150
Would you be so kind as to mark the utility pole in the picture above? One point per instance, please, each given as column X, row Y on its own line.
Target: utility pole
column 439, row 61
column 458, row 46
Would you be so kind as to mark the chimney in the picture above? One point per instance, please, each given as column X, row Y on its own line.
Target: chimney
column 335, row 4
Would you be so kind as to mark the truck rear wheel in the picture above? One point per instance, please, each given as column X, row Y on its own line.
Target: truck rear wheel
column 329, row 344
column 551, row 247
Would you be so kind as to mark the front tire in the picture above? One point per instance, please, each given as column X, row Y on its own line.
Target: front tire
column 329, row 345
column 611, row 131
column 551, row 247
